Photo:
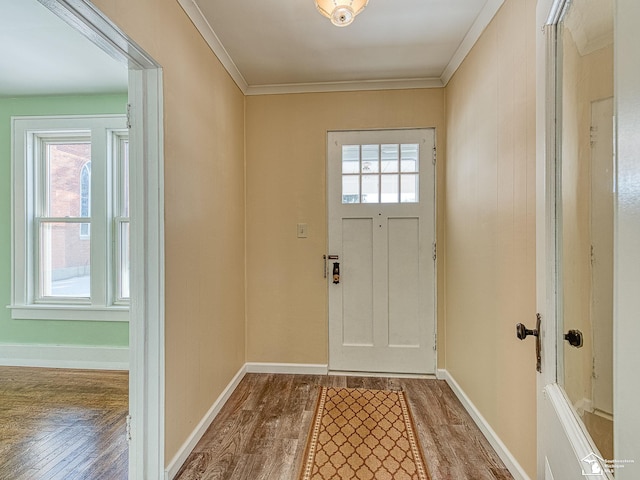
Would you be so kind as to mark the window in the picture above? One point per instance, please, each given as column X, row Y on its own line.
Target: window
column 380, row 173
column 71, row 218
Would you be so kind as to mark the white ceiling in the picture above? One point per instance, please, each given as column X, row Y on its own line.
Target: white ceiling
column 42, row 55
column 268, row 46
column 286, row 45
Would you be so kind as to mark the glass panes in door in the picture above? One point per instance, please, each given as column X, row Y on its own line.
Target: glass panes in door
column 380, row 173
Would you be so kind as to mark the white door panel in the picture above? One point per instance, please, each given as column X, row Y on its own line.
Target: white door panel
column 357, row 293
column 382, row 312
column 571, row 455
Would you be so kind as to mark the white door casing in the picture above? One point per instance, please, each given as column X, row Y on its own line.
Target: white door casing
column 146, row 318
column 382, row 311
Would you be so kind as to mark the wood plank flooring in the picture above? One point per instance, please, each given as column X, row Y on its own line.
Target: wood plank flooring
column 63, row 424
column 261, row 432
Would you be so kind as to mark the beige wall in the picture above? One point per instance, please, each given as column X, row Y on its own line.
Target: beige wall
column 204, row 202
column 490, row 227
column 286, row 185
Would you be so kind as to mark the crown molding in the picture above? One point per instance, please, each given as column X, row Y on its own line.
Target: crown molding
column 193, row 11
column 482, row 21
column 346, row 86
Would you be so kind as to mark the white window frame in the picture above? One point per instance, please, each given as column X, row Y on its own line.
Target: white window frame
column 121, row 211
column 27, row 133
column 85, row 168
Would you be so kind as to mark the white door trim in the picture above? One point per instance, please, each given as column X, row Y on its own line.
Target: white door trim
column 146, row 324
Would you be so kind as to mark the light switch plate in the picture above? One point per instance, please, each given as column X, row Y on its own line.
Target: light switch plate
column 303, row 229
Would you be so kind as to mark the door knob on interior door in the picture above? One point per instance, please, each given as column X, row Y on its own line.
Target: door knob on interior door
column 574, row 337
column 523, row 332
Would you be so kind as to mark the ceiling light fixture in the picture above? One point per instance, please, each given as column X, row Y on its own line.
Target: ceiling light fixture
column 340, row 12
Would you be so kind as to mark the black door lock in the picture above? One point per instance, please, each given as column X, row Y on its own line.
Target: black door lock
column 574, row 337
column 336, row 272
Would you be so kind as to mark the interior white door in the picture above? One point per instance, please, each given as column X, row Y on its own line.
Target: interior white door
column 565, row 449
column 381, row 205
column 602, row 254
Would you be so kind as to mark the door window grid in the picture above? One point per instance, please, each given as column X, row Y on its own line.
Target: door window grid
column 380, row 173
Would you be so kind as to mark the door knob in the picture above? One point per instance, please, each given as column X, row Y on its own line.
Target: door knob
column 574, row 337
column 523, row 332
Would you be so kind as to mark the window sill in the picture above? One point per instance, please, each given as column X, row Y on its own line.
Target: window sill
column 70, row 312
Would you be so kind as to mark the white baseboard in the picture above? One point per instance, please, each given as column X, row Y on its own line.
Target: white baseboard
column 190, row 443
column 287, row 368
column 501, row 449
column 423, row 376
column 65, row 356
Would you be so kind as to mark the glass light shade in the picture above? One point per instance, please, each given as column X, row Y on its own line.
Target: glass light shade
column 341, row 12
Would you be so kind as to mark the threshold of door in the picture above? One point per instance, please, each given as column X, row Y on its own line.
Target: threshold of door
column 383, row 374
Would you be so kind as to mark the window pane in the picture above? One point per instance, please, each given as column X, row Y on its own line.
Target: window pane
column 64, row 261
column 65, row 171
column 370, row 158
column 390, row 157
column 350, row 158
column 389, row 189
column 350, row 189
column 409, row 157
column 409, row 188
column 370, row 189
column 123, row 261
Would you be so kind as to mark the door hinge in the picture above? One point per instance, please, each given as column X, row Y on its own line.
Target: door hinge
column 434, row 155
column 128, row 115
column 435, row 341
column 128, row 429
column 435, row 251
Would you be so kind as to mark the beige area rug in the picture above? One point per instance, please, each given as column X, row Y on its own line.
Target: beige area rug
column 362, row 434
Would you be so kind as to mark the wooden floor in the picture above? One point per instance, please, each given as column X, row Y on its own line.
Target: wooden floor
column 260, row 433
column 63, row 424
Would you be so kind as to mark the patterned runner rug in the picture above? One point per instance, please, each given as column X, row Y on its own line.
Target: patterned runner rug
column 362, row 434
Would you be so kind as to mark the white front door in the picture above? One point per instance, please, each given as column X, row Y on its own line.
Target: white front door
column 381, row 204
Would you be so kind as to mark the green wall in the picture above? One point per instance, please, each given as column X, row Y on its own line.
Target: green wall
column 47, row 331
